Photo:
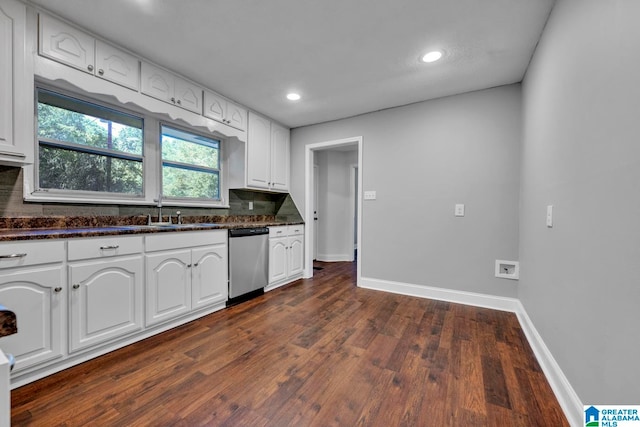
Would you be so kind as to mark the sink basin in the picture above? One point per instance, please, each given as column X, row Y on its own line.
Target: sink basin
column 180, row 226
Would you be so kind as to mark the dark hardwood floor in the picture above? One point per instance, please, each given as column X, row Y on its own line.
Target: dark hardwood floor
column 317, row 352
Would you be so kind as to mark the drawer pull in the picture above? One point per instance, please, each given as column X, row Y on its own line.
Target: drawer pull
column 13, row 256
column 109, row 247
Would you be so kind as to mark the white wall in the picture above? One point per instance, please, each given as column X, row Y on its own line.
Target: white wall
column 580, row 280
column 422, row 159
column 335, row 237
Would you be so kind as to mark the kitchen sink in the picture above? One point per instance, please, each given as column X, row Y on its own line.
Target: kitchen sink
column 179, row 226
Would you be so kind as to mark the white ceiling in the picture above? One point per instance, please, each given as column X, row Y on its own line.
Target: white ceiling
column 345, row 57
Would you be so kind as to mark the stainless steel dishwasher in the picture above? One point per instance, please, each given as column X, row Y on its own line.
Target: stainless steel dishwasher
column 248, row 263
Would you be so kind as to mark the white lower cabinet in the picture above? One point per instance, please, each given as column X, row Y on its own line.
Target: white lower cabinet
column 286, row 254
column 182, row 280
column 105, row 300
column 77, row 299
column 209, row 276
column 105, row 289
column 37, row 296
column 168, row 290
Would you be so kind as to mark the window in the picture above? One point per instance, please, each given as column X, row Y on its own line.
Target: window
column 85, row 147
column 190, row 165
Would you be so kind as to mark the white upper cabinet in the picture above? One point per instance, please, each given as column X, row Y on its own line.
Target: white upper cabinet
column 218, row 108
column 267, row 154
column 13, row 84
column 117, row 66
column 170, row 88
column 279, row 157
column 77, row 49
column 259, row 152
column 66, row 44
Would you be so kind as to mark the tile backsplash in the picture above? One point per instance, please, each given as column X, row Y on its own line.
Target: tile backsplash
column 13, row 205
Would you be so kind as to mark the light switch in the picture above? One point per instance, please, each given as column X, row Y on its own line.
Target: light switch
column 550, row 216
column 369, row 195
column 459, row 210
column 250, row 206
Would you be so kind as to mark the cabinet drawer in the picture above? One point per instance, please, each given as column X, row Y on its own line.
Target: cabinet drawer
column 295, row 230
column 185, row 239
column 19, row 254
column 277, row 232
column 101, row 247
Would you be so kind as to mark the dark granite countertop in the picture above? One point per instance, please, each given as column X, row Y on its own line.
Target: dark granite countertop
column 104, row 226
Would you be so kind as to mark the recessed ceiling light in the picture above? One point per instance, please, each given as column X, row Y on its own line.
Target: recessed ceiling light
column 293, row 96
column 432, row 56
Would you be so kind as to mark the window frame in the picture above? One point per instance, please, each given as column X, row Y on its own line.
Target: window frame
column 75, row 195
column 151, row 158
column 191, row 167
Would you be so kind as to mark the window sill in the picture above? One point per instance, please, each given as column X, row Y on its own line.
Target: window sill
column 45, row 197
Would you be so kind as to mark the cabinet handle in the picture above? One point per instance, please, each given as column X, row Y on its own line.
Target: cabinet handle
column 179, row 102
column 13, row 256
column 109, row 247
column 173, row 100
column 76, row 286
column 58, row 289
column 90, row 67
column 101, row 71
column 195, row 265
column 188, row 265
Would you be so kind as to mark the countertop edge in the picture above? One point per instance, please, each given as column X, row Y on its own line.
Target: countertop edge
column 11, row 235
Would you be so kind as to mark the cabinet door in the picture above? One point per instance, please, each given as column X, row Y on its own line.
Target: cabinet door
column 258, row 152
column 214, row 106
column 188, row 96
column 12, row 81
column 236, row 116
column 279, row 158
column 66, row 44
column 296, row 255
column 105, row 302
column 277, row 259
column 119, row 67
column 37, row 296
column 209, row 276
column 157, row 83
column 168, row 292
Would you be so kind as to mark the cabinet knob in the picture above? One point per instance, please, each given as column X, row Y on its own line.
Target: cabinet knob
column 76, row 286
column 58, row 289
column 195, row 265
column 90, row 67
column 101, row 71
column 173, row 100
column 179, row 102
column 188, row 265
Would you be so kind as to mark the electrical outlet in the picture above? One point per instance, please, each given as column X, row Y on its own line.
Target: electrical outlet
column 369, row 195
column 459, row 210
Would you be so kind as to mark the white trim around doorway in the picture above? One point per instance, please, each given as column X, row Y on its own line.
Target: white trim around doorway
column 309, row 194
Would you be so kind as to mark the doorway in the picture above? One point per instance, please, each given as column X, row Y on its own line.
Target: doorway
column 354, row 143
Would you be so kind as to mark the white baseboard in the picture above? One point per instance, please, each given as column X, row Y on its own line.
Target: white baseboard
column 569, row 401
column 566, row 395
column 442, row 294
column 334, row 257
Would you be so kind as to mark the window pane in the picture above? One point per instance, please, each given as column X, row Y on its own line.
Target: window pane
column 180, row 182
column 69, row 126
column 183, row 147
column 72, row 170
